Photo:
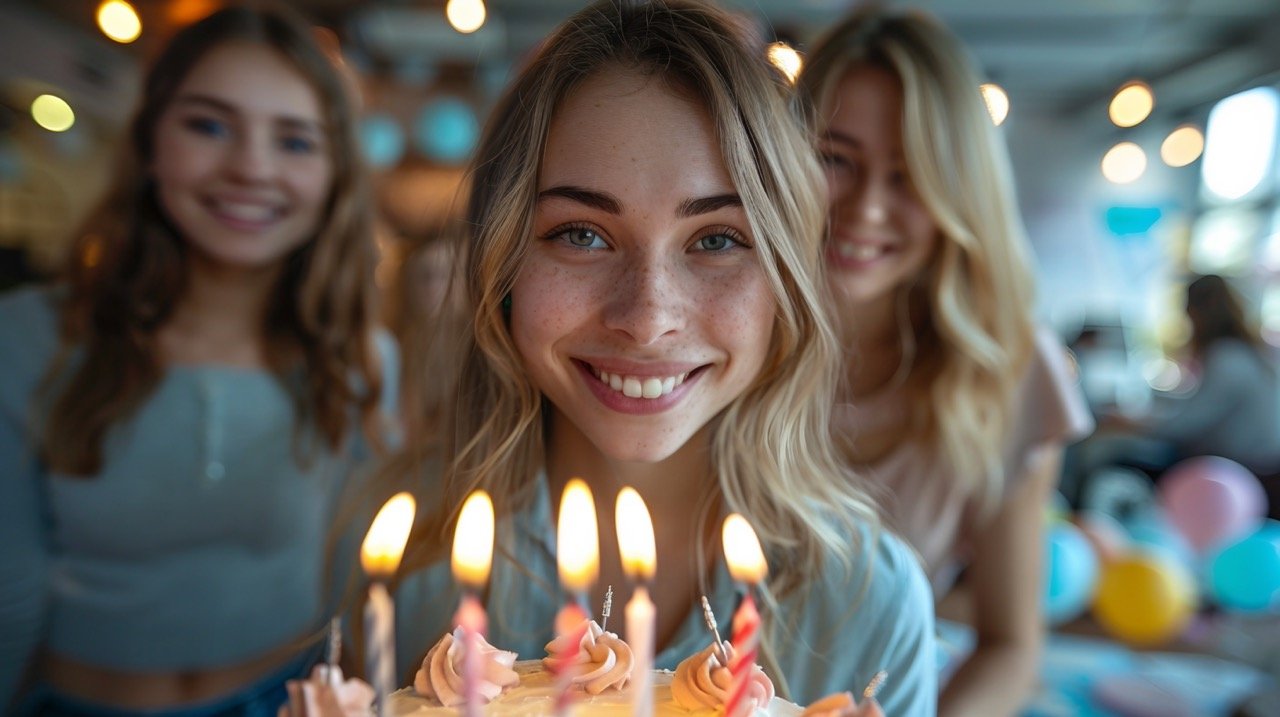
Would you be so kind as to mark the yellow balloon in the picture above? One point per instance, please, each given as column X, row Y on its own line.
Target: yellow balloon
column 1145, row 599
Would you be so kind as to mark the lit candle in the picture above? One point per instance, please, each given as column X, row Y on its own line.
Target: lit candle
column 639, row 561
column 748, row 567
column 380, row 556
column 578, row 560
column 472, row 558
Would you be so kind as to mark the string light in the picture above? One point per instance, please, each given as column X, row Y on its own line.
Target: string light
column 997, row 101
column 466, row 16
column 119, row 21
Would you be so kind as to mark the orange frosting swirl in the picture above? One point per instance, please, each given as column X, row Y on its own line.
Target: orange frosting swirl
column 440, row 677
column 604, row 661
column 701, row 682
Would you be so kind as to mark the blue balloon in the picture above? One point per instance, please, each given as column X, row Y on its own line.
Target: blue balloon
column 381, row 140
column 1151, row 531
column 1071, row 573
column 446, row 130
column 1245, row 576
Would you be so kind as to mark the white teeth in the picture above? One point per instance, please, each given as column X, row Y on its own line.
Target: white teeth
column 859, row 252
column 247, row 212
column 637, row 387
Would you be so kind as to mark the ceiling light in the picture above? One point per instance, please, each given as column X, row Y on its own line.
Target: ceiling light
column 1183, row 146
column 1124, row 163
column 1132, row 104
column 466, row 16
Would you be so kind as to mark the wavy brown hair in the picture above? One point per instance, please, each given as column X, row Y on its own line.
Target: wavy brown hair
column 128, row 268
column 971, row 310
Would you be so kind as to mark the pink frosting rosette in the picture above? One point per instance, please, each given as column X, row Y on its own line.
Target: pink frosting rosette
column 440, row 676
column 701, row 682
column 355, row 696
column 604, row 660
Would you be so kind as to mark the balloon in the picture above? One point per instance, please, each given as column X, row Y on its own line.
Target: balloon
column 446, row 130
column 1211, row 500
column 1107, row 536
column 382, row 141
column 1071, row 573
column 1144, row 599
column 1245, row 576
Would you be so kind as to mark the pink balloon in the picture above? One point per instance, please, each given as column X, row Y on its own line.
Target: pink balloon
column 1211, row 500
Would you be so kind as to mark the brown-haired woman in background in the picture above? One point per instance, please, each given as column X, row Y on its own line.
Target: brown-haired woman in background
column 178, row 417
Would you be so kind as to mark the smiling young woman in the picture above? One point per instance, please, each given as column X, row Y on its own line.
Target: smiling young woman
column 180, row 415
column 643, row 273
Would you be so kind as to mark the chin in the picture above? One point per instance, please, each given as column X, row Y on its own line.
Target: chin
column 632, row 450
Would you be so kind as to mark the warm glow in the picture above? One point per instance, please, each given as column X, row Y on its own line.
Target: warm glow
column 635, row 535
column 53, row 113
column 384, row 544
column 742, row 551
column 119, row 21
column 1124, row 163
column 785, row 58
column 577, row 539
column 1132, row 104
column 466, row 16
column 473, row 541
column 997, row 102
column 1183, row 146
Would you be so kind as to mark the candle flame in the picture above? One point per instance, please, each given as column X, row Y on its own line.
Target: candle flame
column 742, row 551
column 635, row 535
column 473, row 541
column 577, row 537
column 384, row 544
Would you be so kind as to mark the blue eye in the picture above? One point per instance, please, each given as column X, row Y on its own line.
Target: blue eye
column 208, row 126
column 298, row 145
column 581, row 238
column 720, row 241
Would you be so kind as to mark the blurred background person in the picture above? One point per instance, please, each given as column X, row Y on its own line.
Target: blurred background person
column 178, row 416
column 954, row 403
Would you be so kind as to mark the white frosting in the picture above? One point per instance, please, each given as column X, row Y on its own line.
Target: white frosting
column 535, row 696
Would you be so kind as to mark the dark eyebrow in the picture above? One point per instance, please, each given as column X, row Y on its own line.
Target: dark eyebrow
column 225, row 108
column 838, row 136
column 706, row 205
column 606, row 202
column 603, row 201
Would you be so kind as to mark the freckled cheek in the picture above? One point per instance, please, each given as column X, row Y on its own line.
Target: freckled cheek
column 742, row 309
column 548, row 304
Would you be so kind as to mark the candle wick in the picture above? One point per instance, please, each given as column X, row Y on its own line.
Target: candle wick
column 607, row 609
column 721, row 656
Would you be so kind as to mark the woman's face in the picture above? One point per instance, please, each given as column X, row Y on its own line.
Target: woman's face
column 641, row 310
column 242, row 164
column 881, row 233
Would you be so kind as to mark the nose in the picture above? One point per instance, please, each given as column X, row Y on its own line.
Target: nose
column 647, row 300
column 873, row 201
column 251, row 159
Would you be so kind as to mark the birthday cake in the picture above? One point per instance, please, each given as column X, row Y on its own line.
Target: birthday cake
column 601, row 683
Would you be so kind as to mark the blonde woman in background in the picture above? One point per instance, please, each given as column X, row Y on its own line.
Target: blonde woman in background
column 953, row 401
column 644, row 276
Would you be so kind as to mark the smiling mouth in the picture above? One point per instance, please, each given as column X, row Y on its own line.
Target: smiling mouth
column 650, row 387
column 860, row 252
column 246, row 213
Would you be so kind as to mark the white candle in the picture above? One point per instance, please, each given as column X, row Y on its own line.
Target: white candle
column 380, row 556
column 472, row 559
column 639, row 562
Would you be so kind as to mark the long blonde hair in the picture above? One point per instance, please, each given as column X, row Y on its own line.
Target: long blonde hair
column 971, row 310
column 770, row 449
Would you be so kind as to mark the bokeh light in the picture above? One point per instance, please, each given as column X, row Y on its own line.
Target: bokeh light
column 466, row 16
column 1132, row 104
column 119, row 21
column 53, row 113
column 997, row 102
column 785, row 58
column 1183, row 146
column 1124, row 163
